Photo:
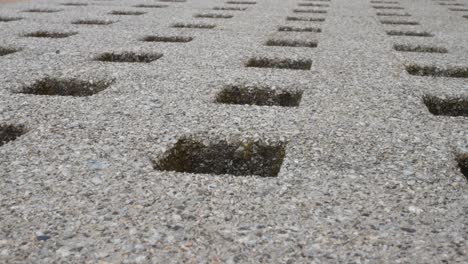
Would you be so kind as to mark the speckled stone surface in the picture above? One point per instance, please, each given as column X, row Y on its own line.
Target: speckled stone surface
column 369, row 174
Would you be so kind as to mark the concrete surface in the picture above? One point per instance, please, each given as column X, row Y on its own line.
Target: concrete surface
column 369, row 174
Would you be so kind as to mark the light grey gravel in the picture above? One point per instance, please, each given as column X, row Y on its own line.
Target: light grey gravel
column 369, row 175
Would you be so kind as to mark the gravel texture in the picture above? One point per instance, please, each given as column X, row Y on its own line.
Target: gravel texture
column 369, row 174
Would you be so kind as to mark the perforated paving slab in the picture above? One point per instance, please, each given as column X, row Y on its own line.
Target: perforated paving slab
column 306, row 131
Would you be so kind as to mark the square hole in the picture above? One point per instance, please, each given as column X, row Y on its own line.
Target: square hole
column 128, row 57
column 150, row 6
column 312, row 11
column 65, row 87
column 42, row 10
column 291, row 43
column 213, row 16
column 155, row 38
column 462, row 161
column 9, row 19
column 419, row 48
column 10, row 132
column 446, row 106
column 393, row 14
column 127, row 13
column 92, row 22
column 309, row 19
column 241, row 2
column 434, row 71
column 399, row 22
column 258, row 95
column 223, row 8
column 299, row 29
column 293, row 64
column 239, row 159
column 409, row 33
column 50, row 34
column 6, row 50
column 193, row 25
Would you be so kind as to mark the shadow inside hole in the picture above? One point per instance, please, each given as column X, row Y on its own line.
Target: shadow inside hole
column 239, row 159
column 10, row 132
column 65, row 87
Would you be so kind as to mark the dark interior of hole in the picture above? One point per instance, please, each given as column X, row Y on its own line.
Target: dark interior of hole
column 65, row 87
column 262, row 96
column 9, row 133
column 279, row 63
column 5, row 51
column 311, row 19
column 241, row 159
column 462, row 161
column 9, row 19
column 230, row 8
column 299, row 29
column 183, row 25
column 291, row 43
column 150, row 6
column 419, row 48
column 167, row 39
column 48, row 34
column 127, row 13
column 213, row 16
column 129, row 57
column 436, row 72
column 447, row 107
column 92, row 22
column 409, row 33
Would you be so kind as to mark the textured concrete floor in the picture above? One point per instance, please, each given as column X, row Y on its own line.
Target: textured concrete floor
column 369, row 174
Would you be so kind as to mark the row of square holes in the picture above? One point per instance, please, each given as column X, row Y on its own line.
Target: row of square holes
column 435, row 105
column 233, row 159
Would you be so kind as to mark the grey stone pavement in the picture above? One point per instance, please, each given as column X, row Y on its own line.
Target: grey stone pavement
column 119, row 150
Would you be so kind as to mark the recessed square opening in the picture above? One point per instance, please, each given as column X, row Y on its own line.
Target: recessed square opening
column 92, row 22
column 128, row 57
column 50, row 34
column 446, row 106
column 388, row 7
column 384, row 2
column 299, row 29
column 419, row 48
column 193, row 25
column 74, row 4
column 241, row 2
column 222, row 8
column 7, row 50
column 9, row 19
column 434, row 71
column 213, row 16
column 150, row 6
column 409, row 33
column 312, row 4
column 312, row 11
column 167, row 39
column 10, row 132
column 277, row 63
column 462, row 161
column 42, row 10
column 65, row 87
column 309, row 19
column 399, row 22
column 393, row 14
column 459, row 9
column 240, row 159
column 291, row 43
column 258, row 95
column 127, row 13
